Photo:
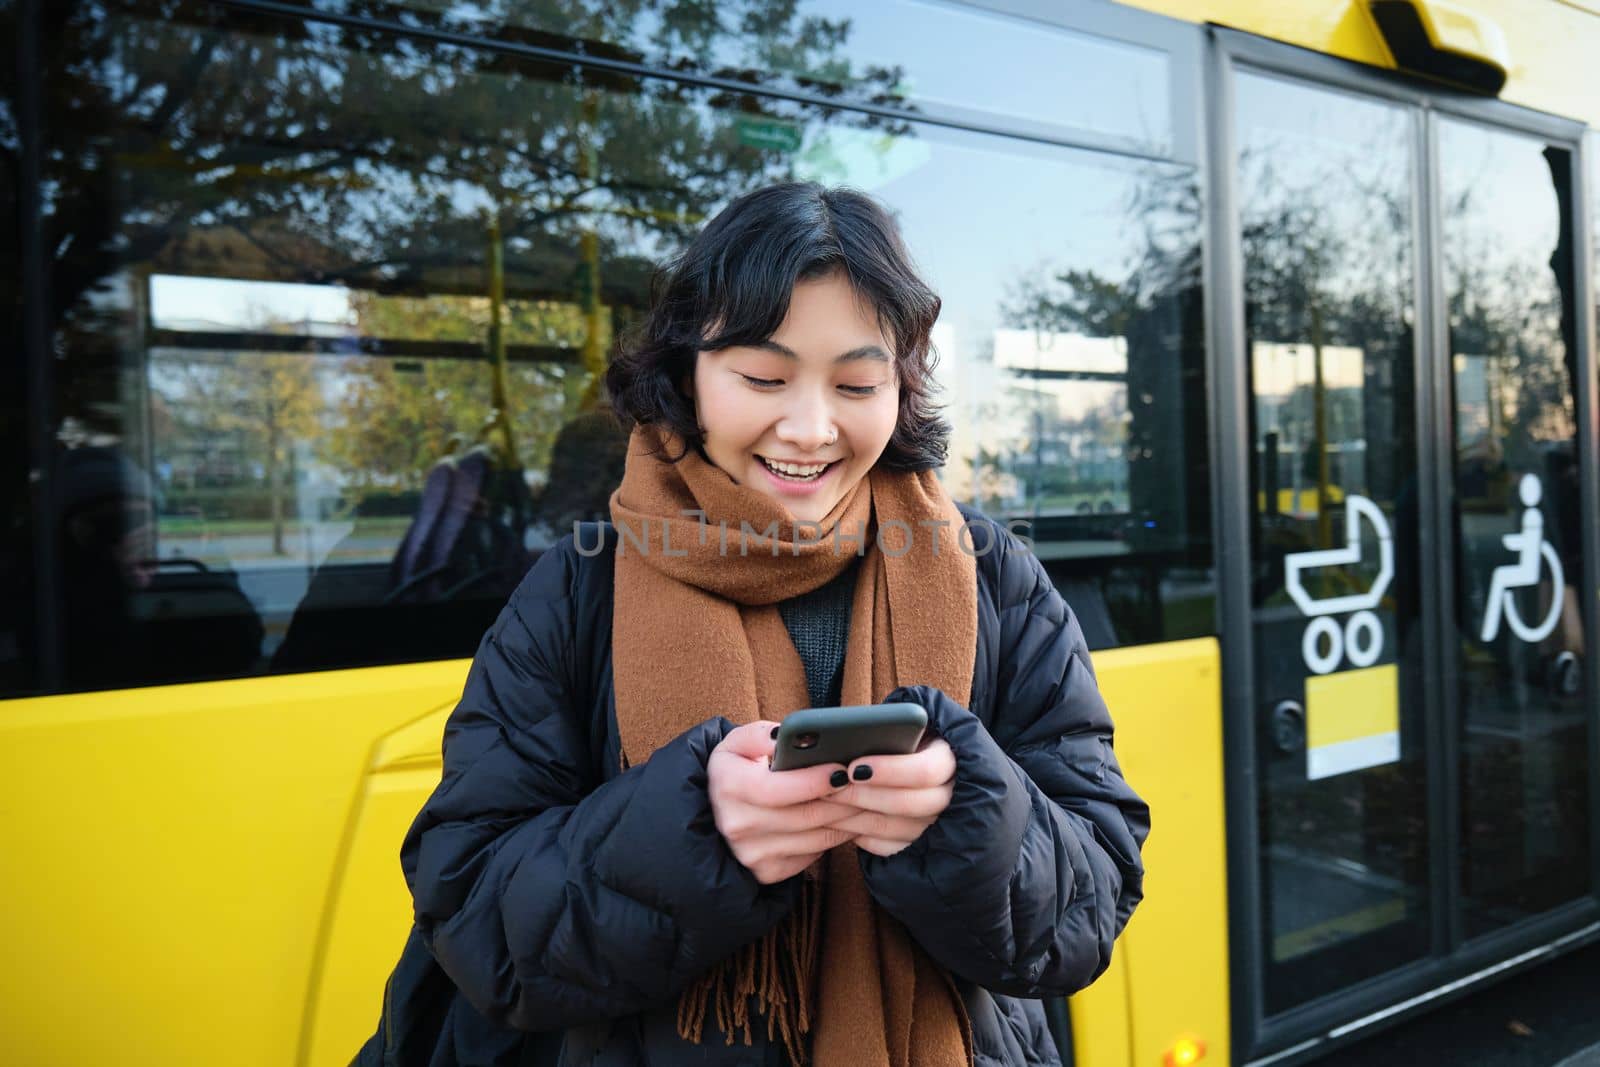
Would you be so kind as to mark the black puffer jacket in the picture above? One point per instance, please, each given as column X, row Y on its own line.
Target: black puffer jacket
column 570, row 902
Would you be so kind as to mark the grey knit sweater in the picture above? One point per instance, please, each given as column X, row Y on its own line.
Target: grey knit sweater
column 819, row 623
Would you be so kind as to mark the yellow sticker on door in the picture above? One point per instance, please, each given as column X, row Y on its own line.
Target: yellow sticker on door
column 1352, row 720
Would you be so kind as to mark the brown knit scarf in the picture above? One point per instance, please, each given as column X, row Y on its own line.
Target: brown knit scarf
column 696, row 633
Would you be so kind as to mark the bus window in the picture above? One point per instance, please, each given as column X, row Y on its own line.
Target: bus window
column 327, row 364
column 1519, row 640
column 1037, row 77
column 1083, row 420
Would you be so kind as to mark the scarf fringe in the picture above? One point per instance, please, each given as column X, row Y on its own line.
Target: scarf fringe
column 776, row 971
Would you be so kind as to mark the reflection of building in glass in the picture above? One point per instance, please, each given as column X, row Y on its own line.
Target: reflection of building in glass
column 1287, row 399
column 1067, row 441
column 1476, row 419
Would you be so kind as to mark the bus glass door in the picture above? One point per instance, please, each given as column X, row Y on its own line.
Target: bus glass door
column 1325, row 191
column 1417, row 710
column 1517, row 640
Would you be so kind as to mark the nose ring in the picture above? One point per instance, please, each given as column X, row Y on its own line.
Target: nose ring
column 834, row 438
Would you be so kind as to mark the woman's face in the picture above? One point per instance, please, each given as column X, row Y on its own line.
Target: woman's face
column 821, row 391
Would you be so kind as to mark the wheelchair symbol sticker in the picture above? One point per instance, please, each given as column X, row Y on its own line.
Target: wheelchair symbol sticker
column 1326, row 642
column 1532, row 550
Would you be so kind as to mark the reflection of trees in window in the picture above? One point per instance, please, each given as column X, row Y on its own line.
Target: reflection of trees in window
column 1512, row 396
column 228, row 413
column 1510, row 311
column 339, row 155
column 1150, row 305
column 761, row 42
column 493, row 218
column 1327, row 258
column 395, row 416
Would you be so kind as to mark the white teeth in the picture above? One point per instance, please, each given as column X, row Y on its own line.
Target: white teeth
column 794, row 470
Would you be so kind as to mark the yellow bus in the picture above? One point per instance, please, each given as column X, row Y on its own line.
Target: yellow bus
column 1271, row 324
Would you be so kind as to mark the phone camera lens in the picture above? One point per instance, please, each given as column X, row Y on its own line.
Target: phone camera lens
column 805, row 741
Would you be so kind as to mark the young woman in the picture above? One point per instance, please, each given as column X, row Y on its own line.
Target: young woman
column 610, row 872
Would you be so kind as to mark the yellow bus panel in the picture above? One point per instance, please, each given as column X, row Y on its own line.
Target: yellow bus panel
column 369, row 906
column 1546, row 42
column 276, row 924
column 1168, row 982
column 168, row 857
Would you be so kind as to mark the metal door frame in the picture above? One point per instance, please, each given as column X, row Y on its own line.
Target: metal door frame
column 1453, row 966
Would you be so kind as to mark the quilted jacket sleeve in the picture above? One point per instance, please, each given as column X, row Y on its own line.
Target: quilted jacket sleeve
column 551, row 899
column 1027, row 878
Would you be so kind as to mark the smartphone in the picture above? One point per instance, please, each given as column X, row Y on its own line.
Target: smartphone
column 838, row 735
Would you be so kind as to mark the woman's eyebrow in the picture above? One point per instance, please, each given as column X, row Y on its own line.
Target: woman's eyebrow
column 864, row 352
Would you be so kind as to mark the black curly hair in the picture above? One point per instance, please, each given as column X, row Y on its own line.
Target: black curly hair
column 735, row 279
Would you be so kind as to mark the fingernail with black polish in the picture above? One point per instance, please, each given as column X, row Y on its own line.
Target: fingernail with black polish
column 774, row 733
column 863, row 772
column 839, row 779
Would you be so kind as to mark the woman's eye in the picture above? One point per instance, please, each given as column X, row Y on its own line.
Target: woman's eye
column 762, row 383
column 860, row 390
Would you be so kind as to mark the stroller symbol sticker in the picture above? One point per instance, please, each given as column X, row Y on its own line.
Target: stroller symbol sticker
column 1531, row 549
column 1326, row 643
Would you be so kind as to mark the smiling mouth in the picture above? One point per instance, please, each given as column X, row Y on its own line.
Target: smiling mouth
column 799, row 478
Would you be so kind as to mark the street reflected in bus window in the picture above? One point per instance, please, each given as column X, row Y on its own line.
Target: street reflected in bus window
column 281, row 446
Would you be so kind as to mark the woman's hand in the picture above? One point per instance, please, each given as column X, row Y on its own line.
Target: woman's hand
column 776, row 823
column 896, row 798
